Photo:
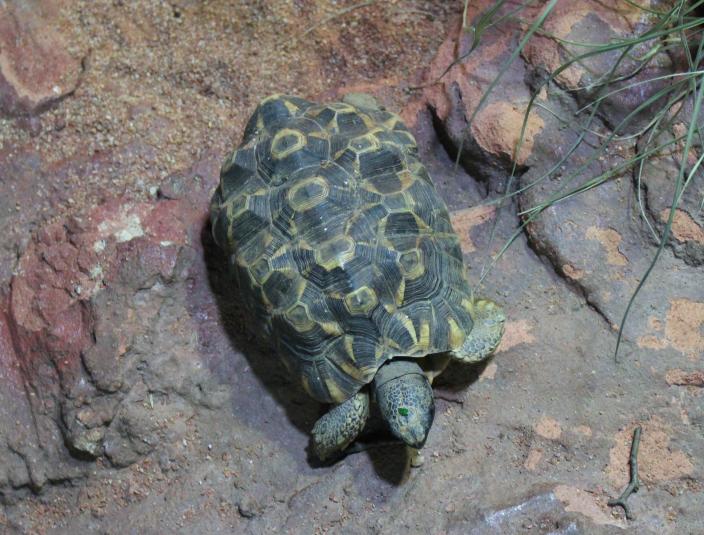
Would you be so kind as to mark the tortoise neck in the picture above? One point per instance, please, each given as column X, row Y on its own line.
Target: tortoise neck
column 395, row 368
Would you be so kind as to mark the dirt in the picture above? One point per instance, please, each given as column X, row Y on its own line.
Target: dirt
column 609, row 239
column 683, row 326
column 133, row 394
column 465, row 221
column 658, row 460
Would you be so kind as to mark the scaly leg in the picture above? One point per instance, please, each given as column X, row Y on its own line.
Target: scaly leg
column 336, row 429
column 486, row 333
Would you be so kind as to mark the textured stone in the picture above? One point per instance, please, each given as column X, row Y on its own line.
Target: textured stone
column 575, row 21
column 20, row 465
column 488, row 144
column 36, row 66
column 92, row 298
column 657, row 184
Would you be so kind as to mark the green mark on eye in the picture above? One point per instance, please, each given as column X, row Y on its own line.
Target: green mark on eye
column 403, row 411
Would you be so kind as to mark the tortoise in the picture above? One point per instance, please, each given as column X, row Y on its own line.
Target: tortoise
column 345, row 256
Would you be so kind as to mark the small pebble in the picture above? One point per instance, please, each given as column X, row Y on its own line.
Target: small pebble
column 417, row 459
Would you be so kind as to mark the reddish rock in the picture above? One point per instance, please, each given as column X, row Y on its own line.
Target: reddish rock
column 63, row 269
column 575, row 21
column 459, row 78
column 454, row 88
column 90, row 296
column 36, row 67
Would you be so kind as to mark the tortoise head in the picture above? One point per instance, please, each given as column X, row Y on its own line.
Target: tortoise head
column 405, row 401
column 361, row 100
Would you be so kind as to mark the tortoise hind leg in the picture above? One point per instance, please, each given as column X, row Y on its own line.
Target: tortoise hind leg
column 486, row 333
column 336, row 429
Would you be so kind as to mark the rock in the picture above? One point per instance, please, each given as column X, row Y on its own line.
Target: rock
column 21, row 182
column 20, row 453
column 657, row 190
column 36, row 67
column 100, row 330
column 487, row 145
column 36, row 188
column 573, row 22
column 598, row 240
column 540, row 512
column 89, row 442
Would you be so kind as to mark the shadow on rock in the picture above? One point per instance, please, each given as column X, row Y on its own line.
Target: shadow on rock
column 301, row 410
column 388, row 456
column 390, row 462
column 457, row 377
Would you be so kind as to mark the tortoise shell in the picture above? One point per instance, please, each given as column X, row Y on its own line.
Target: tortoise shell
column 341, row 246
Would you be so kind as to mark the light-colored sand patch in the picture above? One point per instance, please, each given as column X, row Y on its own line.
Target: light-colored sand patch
column 657, row 460
column 610, row 239
column 548, row 428
column 517, row 332
column 463, row 221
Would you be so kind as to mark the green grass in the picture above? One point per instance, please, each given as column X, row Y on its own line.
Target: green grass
column 676, row 30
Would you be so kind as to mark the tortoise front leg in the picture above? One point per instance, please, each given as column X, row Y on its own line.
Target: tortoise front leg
column 486, row 333
column 336, row 429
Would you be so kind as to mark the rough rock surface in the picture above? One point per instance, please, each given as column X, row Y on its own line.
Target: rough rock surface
column 657, row 186
column 37, row 68
column 133, row 394
column 97, row 330
column 574, row 22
